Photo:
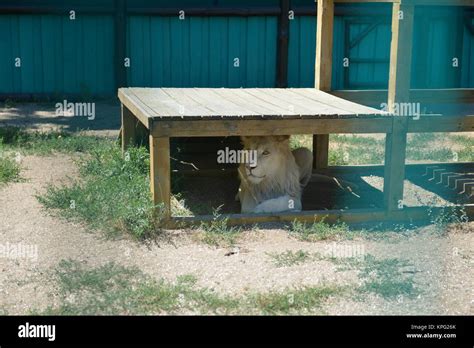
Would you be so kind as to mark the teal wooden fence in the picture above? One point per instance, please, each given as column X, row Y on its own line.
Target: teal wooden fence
column 63, row 56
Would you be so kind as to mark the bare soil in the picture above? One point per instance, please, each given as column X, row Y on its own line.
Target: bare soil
column 442, row 262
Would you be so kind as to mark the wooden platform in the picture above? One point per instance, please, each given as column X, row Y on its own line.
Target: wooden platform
column 165, row 113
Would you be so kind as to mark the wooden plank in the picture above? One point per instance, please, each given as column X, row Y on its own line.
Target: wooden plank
column 159, row 102
column 365, row 1
column 179, row 103
column 160, row 178
column 323, row 72
column 249, row 97
column 364, row 97
column 353, row 216
column 218, row 106
column 398, row 92
column 190, row 105
column 221, row 104
column 421, row 167
column 239, row 99
column 272, row 96
column 324, row 43
column 308, row 99
column 441, row 124
column 400, row 54
column 378, row 96
column 320, row 151
column 340, row 103
column 128, row 128
column 363, row 169
column 271, row 127
column 440, row 2
column 136, row 107
column 394, row 173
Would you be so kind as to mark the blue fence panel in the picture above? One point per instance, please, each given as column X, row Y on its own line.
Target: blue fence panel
column 202, row 51
column 58, row 55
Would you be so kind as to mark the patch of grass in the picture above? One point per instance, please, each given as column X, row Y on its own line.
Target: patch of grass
column 420, row 146
column 289, row 258
column 112, row 195
column 113, row 289
column 218, row 233
column 294, row 301
column 116, row 290
column 352, row 149
column 357, row 149
column 387, row 278
column 440, row 147
column 9, row 169
column 44, row 143
column 319, row 231
column 448, row 215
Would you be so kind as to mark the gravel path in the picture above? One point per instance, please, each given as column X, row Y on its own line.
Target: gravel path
column 443, row 264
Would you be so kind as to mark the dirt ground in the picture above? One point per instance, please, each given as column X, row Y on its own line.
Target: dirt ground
column 42, row 117
column 442, row 265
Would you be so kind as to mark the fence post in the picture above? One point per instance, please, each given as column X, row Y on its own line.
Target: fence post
column 398, row 92
column 323, row 73
column 120, row 42
column 282, row 47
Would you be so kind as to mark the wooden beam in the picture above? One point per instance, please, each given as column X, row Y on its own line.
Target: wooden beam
column 435, row 124
column 134, row 104
column 353, row 216
column 434, row 96
column 128, row 129
column 205, row 128
column 362, row 169
column 324, row 44
column 364, row 1
column 367, row 169
column 440, row 2
column 323, row 72
column 414, row 2
column 400, row 54
column 394, row 171
column 398, row 92
column 160, row 176
column 320, row 151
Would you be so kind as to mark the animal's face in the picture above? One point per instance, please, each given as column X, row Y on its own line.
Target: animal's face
column 271, row 154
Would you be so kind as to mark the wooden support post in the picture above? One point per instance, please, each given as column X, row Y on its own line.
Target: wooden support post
column 400, row 55
column 394, row 170
column 323, row 73
column 324, row 41
column 128, row 128
column 398, row 92
column 160, row 174
column 320, row 151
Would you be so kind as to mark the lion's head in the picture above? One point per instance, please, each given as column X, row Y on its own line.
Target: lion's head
column 275, row 172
